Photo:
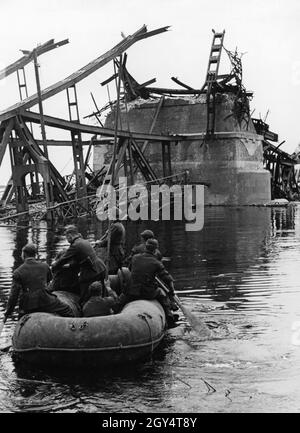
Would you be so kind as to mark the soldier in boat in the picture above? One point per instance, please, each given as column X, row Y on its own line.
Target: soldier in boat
column 90, row 267
column 141, row 247
column 29, row 285
column 116, row 251
column 99, row 304
column 145, row 267
column 65, row 276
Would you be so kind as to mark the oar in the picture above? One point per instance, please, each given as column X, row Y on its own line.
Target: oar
column 195, row 323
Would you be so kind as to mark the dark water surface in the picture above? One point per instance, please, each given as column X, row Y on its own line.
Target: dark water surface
column 242, row 272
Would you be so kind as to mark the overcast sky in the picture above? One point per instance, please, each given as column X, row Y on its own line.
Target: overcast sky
column 267, row 31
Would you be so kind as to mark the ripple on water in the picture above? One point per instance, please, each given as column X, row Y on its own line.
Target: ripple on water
column 240, row 275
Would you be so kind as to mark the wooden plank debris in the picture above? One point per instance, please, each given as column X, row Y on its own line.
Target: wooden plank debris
column 180, row 83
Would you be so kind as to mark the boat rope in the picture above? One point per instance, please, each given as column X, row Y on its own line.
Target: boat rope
column 87, row 349
column 144, row 317
column 22, row 322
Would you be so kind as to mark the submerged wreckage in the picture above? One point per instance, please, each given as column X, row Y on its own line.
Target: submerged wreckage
column 184, row 135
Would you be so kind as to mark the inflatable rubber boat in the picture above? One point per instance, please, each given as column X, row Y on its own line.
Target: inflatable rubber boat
column 132, row 334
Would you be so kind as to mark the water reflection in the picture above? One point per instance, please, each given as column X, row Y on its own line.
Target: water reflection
column 241, row 272
column 111, row 389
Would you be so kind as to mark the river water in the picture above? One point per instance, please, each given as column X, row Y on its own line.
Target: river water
column 241, row 273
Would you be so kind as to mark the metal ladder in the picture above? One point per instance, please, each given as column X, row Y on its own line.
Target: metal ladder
column 22, row 83
column 211, row 77
column 73, row 103
column 23, row 90
column 79, row 165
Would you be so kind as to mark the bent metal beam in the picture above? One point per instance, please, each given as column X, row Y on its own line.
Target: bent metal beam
column 56, row 122
column 23, row 61
column 82, row 73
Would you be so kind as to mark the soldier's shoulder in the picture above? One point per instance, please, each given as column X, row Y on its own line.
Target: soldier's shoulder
column 117, row 227
column 138, row 248
column 81, row 242
column 137, row 256
column 18, row 269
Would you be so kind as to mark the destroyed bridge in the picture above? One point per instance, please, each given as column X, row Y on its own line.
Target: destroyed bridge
column 76, row 195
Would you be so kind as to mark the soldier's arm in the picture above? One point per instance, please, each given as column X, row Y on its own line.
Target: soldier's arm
column 13, row 295
column 69, row 255
column 111, row 293
column 110, row 301
column 128, row 259
column 102, row 242
column 164, row 275
column 114, row 234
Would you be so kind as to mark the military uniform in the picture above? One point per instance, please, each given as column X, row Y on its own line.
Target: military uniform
column 91, row 268
column 139, row 249
column 29, row 285
column 98, row 306
column 65, row 277
column 116, row 253
column 145, row 267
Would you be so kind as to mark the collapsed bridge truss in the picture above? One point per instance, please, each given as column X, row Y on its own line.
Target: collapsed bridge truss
column 62, row 196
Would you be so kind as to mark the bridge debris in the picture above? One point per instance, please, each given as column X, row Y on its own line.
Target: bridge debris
column 69, row 196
